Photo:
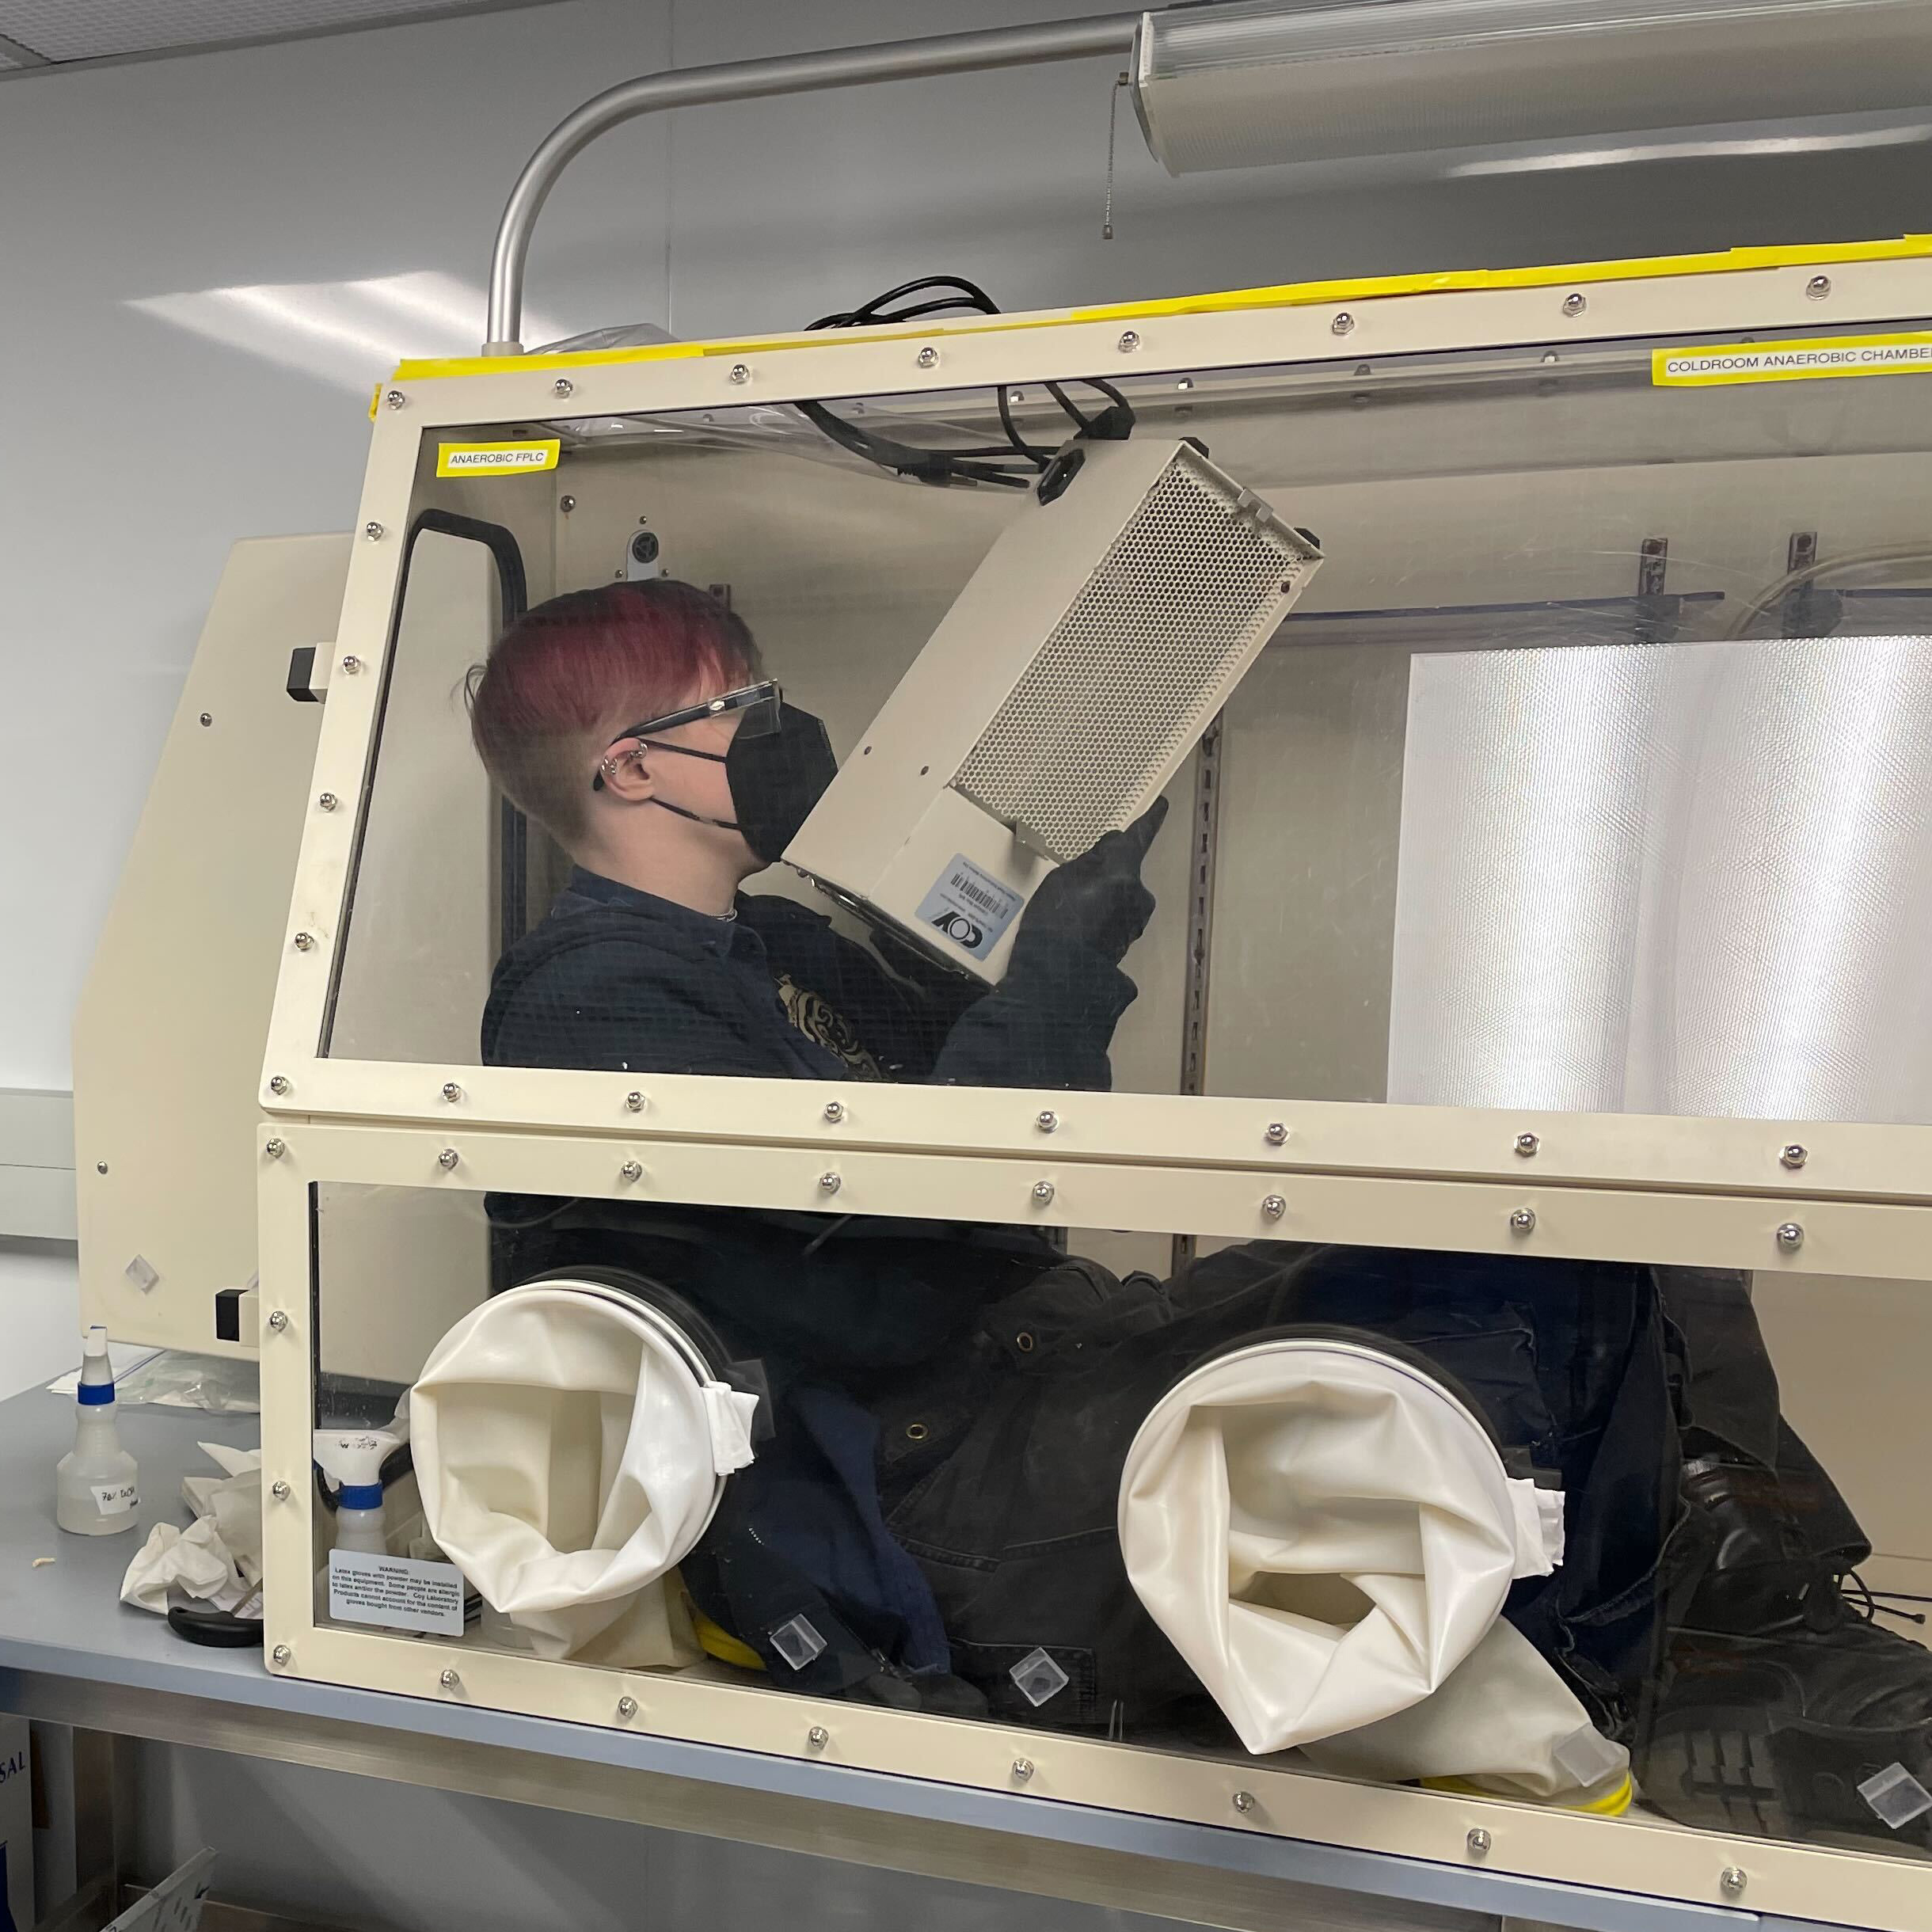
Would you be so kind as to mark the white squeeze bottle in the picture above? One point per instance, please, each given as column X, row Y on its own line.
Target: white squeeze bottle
column 96, row 1489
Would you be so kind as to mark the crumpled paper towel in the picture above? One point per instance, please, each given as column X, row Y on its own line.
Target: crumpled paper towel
column 217, row 1560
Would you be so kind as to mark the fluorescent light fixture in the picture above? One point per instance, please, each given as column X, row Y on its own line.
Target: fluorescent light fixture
column 1702, row 145
column 1251, row 83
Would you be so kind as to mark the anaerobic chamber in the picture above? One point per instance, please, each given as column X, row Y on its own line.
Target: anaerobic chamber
column 1527, row 1085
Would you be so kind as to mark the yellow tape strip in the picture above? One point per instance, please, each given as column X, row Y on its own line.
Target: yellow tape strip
column 1612, row 1803
column 1805, row 360
column 1288, row 295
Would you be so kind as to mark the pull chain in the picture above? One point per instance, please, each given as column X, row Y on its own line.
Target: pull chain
column 1113, row 103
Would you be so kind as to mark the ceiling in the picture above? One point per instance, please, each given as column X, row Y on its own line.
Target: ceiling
column 38, row 35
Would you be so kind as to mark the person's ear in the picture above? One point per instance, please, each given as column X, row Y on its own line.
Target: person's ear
column 627, row 774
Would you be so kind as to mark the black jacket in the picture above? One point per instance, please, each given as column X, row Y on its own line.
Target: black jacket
column 617, row 979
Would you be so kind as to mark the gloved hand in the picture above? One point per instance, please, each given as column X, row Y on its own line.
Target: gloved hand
column 1096, row 900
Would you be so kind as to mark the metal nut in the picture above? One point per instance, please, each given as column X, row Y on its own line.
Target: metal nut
column 566, row 504
column 1042, row 1191
column 207, row 717
column 1244, row 1800
column 1524, row 1220
column 328, row 801
column 1818, row 287
column 279, row 1491
column 447, row 1159
column 829, row 1184
column 1274, row 1207
column 449, row 1680
column 275, row 1149
column 305, row 942
column 818, row 1737
column 1276, row 1133
column 634, row 1102
column 627, row 1707
column 1478, row 1842
column 277, row 1320
column 1343, row 324
column 1731, row 1878
column 631, row 1170
column 281, row 1656
column 278, row 1083
column 351, row 665
column 739, row 373
column 395, row 398
column 101, row 1167
column 563, row 386
column 1130, row 340
column 1047, row 1120
column 451, row 1092
column 1794, row 1155
column 1575, row 305
column 1790, row 1237
column 373, row 531
column 1022, row 1768
column 835, row 1111
column 928, row 358
column 1526, row 1145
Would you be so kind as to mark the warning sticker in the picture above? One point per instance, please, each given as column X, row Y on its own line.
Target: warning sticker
column 397, row 1593
column 495, row 459
column 1802, row 361
column 969, row 906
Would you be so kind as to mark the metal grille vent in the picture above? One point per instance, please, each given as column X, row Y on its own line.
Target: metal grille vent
column 1130, row 675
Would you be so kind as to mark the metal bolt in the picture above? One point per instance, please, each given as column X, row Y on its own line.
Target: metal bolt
column 1047, row 1120
column 1022, row 1768
column 304, row 942
column 627, row 1707
column 928, row 358
column 1526, row 1145
column 351, row 665
column 631, row 1170
column 1524, row 1220
column 328, row 801
column 1276, row 1133
column 207, row 717
column 449, row 1680
column 275, row 1149
column 739, row 373
column 818, row 1737
column 395, row 398
column 1794, row 1155
column 566, row 504
column 1575, row 305
column 1818, row 287
column 278, row 1083
column 1186, row 382
column 279, row 1491
column 1790, row 1237
column 101, row 1167
column 281, row 1656
column 829, row 1184
column 1731, row 1878
column 277, row 1320
column 1130, row 340
column 1478, row 1842
column 1042, row 1191
column 835, row 1111
column 563, row 386
column 373, row 531
column 1343, row 324
column 1244, row 1800
column 634, row 1102
column 1274, row 1207
column 447, row 1159
column 451, row 1092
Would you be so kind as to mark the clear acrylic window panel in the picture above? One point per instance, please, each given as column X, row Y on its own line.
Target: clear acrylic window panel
column 1591, row 772
column 988, row 1406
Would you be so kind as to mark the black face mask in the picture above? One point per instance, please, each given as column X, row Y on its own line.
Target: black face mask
column 778, row 766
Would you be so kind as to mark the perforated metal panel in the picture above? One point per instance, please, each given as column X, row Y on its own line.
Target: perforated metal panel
column 1190, row 589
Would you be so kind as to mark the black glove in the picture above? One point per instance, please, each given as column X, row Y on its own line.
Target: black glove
column 1096, row 900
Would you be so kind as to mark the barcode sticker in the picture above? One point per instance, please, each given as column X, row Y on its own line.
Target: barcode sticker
column 969, row 906
column 115, row 1499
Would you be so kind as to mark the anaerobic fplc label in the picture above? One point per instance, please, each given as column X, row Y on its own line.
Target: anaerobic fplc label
column 395, row 1593
column 1790, row 362
column 495, row 459
column 970, row 907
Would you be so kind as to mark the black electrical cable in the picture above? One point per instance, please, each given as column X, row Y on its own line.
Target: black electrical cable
column 993, row 464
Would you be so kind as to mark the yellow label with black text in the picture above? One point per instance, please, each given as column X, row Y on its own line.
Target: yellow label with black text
column 1806, row 360
column 495, row 459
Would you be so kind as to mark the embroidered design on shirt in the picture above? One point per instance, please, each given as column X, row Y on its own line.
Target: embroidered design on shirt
column 814, row 1016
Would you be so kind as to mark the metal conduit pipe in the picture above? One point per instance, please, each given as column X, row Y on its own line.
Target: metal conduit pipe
column 751, row 80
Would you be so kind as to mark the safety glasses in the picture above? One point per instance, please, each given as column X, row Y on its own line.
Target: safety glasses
column 759, row 703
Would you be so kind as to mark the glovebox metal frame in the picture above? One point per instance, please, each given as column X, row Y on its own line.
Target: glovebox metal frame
column 1857, row 1199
